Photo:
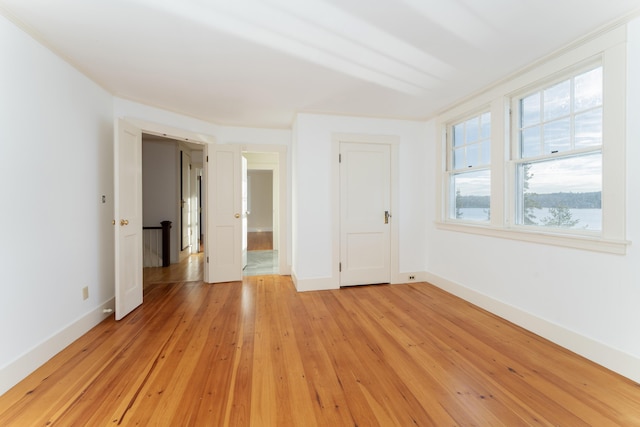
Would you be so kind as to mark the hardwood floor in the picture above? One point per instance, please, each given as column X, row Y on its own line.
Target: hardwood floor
column 260, row 241
column 257, row 353
column 190, row 269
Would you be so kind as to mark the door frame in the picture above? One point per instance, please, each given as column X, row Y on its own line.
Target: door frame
column 394, row 142
column 284, row 268
column 177, row 134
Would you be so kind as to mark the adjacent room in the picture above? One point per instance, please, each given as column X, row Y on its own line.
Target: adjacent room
column 320, row 212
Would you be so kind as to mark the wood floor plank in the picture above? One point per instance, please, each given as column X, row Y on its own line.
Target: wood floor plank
column 259, row 240
column 413, row 352
column 552, row 382
column 258, row 353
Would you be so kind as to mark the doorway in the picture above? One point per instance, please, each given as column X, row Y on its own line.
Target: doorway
column 171, row 172
column 339, row 141
column 365, row 213
column 262, row 214
column 222, row 187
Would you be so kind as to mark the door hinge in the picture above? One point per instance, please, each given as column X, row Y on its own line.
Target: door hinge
column 339, row 158
column 207, row 260
column 207, row 159
column 340, row 267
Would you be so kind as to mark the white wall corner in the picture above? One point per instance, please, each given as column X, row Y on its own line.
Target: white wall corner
column 611, row 358
column 14, row 372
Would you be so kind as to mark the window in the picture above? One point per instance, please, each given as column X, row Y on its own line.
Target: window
column 541, row 156
column 559, row 154
column 469, row 160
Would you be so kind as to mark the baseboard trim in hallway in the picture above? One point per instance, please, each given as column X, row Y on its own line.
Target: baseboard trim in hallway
column 17, row 370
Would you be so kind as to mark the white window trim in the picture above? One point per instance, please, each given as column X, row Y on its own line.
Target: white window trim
column 450, row 171
column 611, row 48
column 516, row 158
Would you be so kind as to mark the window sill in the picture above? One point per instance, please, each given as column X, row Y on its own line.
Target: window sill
column 589, row 243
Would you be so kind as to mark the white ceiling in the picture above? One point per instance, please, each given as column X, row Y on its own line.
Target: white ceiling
column 258, row 62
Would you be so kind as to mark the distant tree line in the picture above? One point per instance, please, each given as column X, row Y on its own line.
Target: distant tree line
column 590, row 200
column 463, row 202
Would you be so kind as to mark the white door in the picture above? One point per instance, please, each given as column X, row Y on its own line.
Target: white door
column 225, row 210
column 365, row 205
column 195, row 208
column 245, row 211
column 128, row 217
column 185, row 202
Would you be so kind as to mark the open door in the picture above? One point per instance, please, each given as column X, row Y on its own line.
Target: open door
column 185, row 201
column 245, row 211
column 224, row 245
column 128, row 217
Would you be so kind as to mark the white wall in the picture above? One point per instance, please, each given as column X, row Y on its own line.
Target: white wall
column 56, row 149
column 586, row 301
column 260, row 186
column 313, row 204
column 160, row 192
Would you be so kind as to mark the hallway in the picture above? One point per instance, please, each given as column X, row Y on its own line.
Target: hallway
column 260, row 263
column 261, row 257
column 190, row 269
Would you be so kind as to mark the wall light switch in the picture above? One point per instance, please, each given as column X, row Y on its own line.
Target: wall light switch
column 85, row 292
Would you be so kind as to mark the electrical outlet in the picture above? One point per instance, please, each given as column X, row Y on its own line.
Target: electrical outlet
column 85, row 292
column 412, row 277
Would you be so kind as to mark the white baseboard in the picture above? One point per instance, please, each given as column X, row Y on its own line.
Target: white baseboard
column 20, row 368
column 600, row 353
column 316, row 284
column 418, row 276
column 286, row 271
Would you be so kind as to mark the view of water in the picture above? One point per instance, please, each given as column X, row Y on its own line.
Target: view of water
column 591, row 219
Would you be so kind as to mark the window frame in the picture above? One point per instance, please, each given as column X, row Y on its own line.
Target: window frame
column 610, row 49
column 451, row 171
column 517, row 158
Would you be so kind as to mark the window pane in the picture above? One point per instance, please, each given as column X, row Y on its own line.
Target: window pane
column 557, row 136
column 472, row 155
column 530, row 110
column 471, row 196
column 557, row 100
column 485, row 125
column 588, row 128
column 458, row 135
column 472, row 130
column 562, row 193
column 588, row 89
column 530, row 142
column 471, row 145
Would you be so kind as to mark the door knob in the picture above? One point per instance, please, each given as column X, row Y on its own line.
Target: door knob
column 387, row 215
column 124, row 222
column 237, row 215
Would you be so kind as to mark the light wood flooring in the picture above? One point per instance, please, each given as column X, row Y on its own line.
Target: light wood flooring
column 260, row 241
column 257, row 353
